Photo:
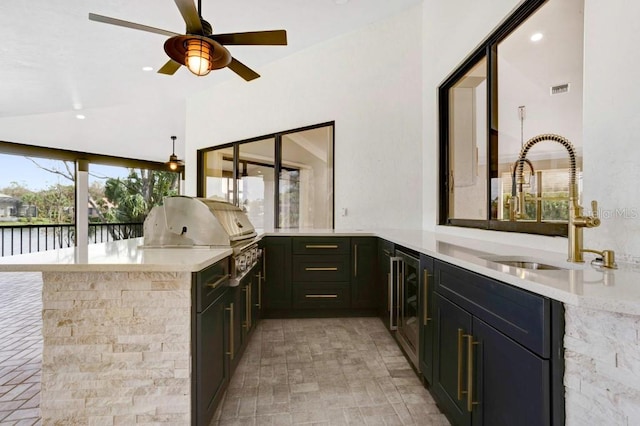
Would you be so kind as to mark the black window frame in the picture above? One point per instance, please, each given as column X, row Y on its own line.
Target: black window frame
column 488, row 49
column 277, row 136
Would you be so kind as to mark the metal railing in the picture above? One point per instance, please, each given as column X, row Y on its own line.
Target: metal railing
column 33, row 238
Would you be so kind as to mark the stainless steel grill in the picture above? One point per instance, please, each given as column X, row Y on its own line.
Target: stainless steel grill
column 188, row 222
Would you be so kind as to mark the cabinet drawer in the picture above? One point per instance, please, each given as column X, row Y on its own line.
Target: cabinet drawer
column 321, row 245
column 320, row 295
column 321, row 268
column 521, row 315
column 210, row 283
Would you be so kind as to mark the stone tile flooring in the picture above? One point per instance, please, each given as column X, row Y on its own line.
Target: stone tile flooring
column 346, row 371
column 20, row 347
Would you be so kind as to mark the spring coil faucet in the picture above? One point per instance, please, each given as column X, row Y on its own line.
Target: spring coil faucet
column 577, row 220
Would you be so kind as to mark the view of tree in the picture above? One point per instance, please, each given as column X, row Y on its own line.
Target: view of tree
column 121, row 200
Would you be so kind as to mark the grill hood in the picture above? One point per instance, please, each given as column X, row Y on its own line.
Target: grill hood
column 188, row 222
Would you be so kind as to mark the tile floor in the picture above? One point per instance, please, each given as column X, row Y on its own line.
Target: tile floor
column 346, row 371
column 20, row 348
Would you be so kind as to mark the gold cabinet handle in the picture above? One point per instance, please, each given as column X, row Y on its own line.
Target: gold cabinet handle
column 355, row 261
column 218, row 282
column 231, row 332
column 460, row 363
column 321, row 246
column 470, row 345
column 259, row 304
column 331, row 268
column 321, row 296
column 425, row 297
column 247, row 307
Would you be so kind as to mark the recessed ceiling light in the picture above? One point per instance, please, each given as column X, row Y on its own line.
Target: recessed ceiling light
column 147, row 68
column 80, row 117
column 536, row 37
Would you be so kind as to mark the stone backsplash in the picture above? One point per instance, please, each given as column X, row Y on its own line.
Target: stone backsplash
column 602, row 370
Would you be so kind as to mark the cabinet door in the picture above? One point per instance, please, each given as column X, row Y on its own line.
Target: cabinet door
column 256, row 297
column 277, row 285
column 212, row 369
column 426, row 318
column 385, row 251
column 363, row 273
column 449, row 373
column 237, row 333
column 513, row 383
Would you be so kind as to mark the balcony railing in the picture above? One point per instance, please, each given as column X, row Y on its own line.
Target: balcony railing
column 34, row 238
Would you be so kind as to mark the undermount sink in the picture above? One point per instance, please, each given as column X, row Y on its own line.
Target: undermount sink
column 523, row 263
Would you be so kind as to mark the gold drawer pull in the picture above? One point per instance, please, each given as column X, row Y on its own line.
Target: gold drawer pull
column 231, row 352
column 331, row 268
column 321, row 246
column 321, row 296
column 460, row 363
column 217, row 283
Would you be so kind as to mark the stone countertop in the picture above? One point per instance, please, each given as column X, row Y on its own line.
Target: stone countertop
column 576, row 284
column 124, row 255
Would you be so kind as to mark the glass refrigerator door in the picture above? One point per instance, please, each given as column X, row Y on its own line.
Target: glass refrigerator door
column 409, row 308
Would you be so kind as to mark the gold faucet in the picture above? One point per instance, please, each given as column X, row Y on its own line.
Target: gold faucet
column 577, row 220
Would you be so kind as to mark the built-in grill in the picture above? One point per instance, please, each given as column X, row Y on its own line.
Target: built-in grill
column 186, row 222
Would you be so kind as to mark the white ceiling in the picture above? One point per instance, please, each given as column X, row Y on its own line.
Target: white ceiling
column 54, row 60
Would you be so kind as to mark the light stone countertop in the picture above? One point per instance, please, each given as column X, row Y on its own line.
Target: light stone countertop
column 122, row 256
column 577, row 284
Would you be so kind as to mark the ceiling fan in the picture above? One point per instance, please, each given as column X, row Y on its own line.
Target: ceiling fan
column 200, row 50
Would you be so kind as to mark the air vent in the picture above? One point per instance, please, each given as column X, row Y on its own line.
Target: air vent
column 561, row 88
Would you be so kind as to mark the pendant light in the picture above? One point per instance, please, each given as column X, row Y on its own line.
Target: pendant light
column 173, row 162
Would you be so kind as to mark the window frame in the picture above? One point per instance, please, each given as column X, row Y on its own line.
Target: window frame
column 277, row 137
column 486, row 49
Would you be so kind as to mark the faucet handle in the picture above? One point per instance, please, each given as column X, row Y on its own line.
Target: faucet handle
column 594, row 208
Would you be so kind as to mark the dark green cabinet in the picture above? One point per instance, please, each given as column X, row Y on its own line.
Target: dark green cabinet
column 276, row 290
column 452, row 324
column 211, row 359
column 496, row 351
column 237, row 334
column 320, row 276
column 363, row 273
column 426, row 318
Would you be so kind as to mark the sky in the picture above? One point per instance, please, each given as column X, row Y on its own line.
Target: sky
column 15, row 168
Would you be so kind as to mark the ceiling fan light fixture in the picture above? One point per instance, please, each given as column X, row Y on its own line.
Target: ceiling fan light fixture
column 198, row 57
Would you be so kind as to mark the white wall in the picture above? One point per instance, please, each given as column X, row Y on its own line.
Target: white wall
column 369, row 82
column 612, row 123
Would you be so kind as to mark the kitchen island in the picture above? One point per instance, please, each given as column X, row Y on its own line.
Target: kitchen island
column 116, row 326
column 116, row 331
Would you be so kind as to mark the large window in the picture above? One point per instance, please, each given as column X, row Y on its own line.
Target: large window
column 39, row 209
column 524, row 80
column 284, row 180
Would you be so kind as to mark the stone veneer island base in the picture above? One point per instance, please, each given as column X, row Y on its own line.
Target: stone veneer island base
column 117, row 348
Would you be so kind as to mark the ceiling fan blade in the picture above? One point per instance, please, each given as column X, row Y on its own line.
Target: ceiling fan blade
column 242, row 70
column 272, row 38
column 170, row 67
column 190, row 15
column 127, row 24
